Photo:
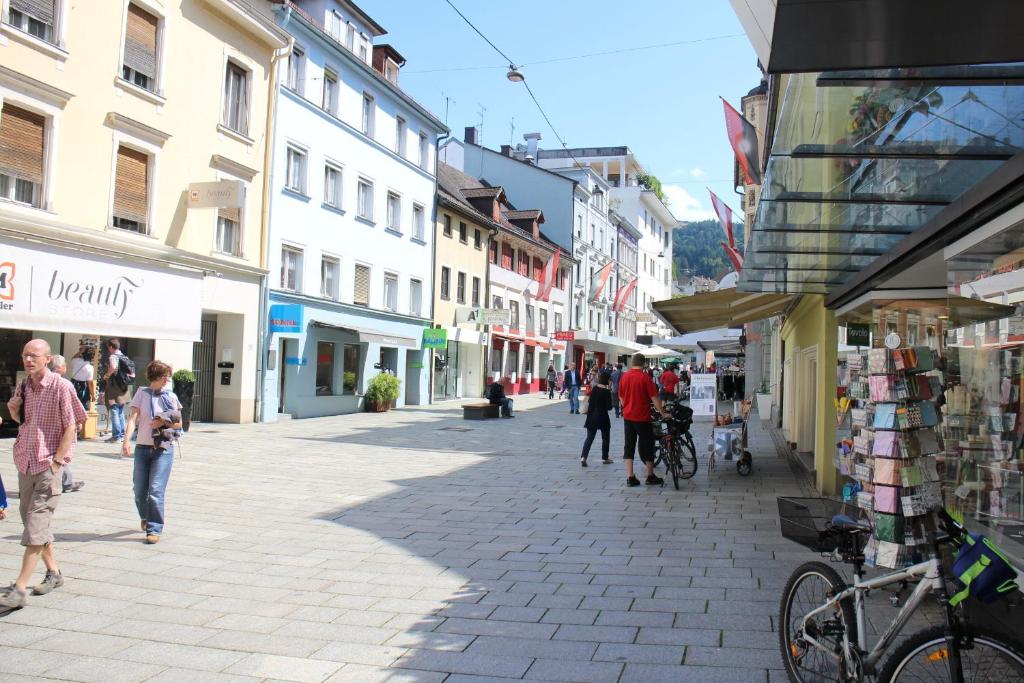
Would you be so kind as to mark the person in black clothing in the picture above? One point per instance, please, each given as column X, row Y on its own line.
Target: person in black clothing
column 598, row 405
column 496, row 395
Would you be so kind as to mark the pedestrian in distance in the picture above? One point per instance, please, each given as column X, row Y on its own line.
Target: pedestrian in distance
column 49, row 414
column 496, row 395
column 83, row 375
column 68, row 484
column 572, row 383
column 552, row 380
column 599, row 403
column 151, row 408
column 116, row 390
column 669, row 384
column 616, row 374
column 637, row 392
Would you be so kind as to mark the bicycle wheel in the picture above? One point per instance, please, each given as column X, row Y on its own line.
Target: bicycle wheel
column 808, row 588
column 687, row 457
column 924, row 657
column 673, row 462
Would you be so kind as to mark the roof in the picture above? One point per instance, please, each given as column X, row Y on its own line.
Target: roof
column 474, row 192
column 357, row 10
column 527, row 214
column 390, row 51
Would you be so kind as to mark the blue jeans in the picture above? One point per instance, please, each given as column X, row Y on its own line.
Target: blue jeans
column 152, row 470
column 574, row 399
column 116, row 420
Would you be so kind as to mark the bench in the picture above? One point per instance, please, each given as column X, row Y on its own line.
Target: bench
column 479, row 411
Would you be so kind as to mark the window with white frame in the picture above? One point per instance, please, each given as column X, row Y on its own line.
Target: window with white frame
column 364, row 47
column 332, row 186
column 22, row 155
column 329, row 99
column 329, row 269
column 350, row 37
column 295, row 171
column 36, row 17
column 141, row 45
column 369, row 113
column 394, row 212
column 391, row 291
column 297, row 70
column 131, row 190
column 228, row 239
column 400, row 136
column 335, row 25
column 543, row 331
column 460, row 289
column 424, row 151
column 418, row 222
column 415, row 297
column 579, row 226
column 361, row 286
column 291, row 268
column 236, row 98
column 365, row 199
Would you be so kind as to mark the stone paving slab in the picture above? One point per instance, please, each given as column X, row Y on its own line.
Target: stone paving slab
column 386, row 547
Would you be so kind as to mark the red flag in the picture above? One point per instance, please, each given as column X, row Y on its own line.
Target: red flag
column 623, row 295
column 599, row 280
column 724, row 217
column 743, row 138
column 547, row 278
column 734, row 255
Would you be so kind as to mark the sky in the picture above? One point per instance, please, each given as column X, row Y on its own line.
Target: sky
column 662, row 103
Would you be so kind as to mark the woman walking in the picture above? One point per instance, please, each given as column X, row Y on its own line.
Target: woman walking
column 552, row 381
column 158, row 413
column 599, row 403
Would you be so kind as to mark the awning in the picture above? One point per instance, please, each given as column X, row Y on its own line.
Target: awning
column 657, row 352
column 370, row 336
column 723, row 308
column 697, row 340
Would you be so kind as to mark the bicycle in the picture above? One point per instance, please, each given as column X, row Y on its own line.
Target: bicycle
column 674, row 444
column 823, row 636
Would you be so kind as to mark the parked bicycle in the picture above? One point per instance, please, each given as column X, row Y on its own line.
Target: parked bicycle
column 674, row 445
column 823, row 623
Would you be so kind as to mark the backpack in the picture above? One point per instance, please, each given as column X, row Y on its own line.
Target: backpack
column 125, row 371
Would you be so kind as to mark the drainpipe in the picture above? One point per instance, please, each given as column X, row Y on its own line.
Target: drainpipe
column 433, row 261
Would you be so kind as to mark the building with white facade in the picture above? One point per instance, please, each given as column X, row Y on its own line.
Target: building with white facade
column 627, row 247
column 351, row 218
column 642, row 207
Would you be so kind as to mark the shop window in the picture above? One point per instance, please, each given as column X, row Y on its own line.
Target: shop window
column 22, row 151
column 140, row 48
column 460, row 289
column 361, row 288
column 446, row 283
column 528, row 361
column 236, row 98
column 512, row 360
column 324, row 368
column 351, row 369
column 131, row 191
column 476, row 292
column 496, row 360
column 229, row 231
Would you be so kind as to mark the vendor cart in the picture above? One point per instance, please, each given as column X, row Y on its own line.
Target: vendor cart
column 729, row 441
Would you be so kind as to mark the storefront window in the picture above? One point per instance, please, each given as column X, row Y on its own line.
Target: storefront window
column 324, row 368
column 350, row 368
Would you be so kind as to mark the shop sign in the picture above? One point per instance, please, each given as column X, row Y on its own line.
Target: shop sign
column 296, row 360
column 224, row 194
column 483, row 316
column 435, row 338
column 893, row 341
column 415, row 365
column 644, row 318
column 286, row 318
column 858, row 334
column 50, row 289
column 565, row 335
column 703, row 394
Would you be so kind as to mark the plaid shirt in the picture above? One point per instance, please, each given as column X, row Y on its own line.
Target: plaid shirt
column 46, row 411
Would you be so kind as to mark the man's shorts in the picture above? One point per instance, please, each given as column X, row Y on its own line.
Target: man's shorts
column 638, row 434
column 38, row 497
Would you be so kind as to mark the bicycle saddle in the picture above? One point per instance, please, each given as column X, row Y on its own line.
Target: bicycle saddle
column 847, row 523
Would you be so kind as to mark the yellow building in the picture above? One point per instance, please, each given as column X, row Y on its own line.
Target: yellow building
column 112, row 113
column 460, row 280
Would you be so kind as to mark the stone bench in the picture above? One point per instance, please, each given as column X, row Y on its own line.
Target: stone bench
column 479, row 411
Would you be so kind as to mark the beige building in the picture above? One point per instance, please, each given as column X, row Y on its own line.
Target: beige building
column 112, row 112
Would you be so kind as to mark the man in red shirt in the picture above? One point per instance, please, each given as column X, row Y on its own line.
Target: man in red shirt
column 636, row 392
column 669, row 380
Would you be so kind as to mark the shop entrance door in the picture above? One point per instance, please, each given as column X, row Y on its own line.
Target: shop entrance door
column 204, row 365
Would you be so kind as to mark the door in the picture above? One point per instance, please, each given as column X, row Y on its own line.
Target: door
column 287, row 349
column 204, row 365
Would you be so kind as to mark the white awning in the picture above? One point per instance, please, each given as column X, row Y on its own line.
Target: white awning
column 371, row 336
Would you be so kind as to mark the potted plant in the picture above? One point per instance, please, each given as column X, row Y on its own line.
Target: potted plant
column 763, row 396
column 185, row 387
column 382, row 391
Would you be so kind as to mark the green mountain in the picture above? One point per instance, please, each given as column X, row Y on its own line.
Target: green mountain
column 698, row 248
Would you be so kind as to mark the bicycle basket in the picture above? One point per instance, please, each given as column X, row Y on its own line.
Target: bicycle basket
column 981, row 571
column 807, row 521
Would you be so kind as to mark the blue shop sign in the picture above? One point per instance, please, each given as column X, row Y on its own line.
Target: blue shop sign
column 286, row 318
column 296, row 360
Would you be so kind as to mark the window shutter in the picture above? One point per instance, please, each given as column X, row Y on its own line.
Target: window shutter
column 362, row 288
column 40, row 9
column 21, row 144
column 234, row 214
column 130, row 196
column 140, row 42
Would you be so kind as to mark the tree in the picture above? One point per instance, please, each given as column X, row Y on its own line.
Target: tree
column 698, row 249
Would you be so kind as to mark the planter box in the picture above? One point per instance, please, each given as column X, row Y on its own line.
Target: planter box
column 764, row 406
column 378, row 407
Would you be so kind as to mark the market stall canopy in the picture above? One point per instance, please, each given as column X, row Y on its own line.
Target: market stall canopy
column 722, row 308
column 860, row 160
column 657, row 352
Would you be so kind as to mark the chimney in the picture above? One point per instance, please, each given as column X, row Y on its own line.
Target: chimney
column 470, row 135
column 506, row 150
column 531, row 145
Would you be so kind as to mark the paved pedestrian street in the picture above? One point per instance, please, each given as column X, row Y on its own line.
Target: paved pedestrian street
column 408, row 546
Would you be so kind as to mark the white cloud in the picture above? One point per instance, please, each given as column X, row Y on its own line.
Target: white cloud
column 685, row 206
column 698, row 173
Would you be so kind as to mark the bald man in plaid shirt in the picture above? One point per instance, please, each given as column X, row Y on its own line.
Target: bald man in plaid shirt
column 49, row 413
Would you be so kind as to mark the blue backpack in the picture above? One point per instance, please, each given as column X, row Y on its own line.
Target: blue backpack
column 981, row 571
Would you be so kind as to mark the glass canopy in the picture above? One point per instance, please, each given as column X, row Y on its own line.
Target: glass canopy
column 862, row 159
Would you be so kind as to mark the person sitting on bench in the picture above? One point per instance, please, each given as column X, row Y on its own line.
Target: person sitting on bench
column 496, row 395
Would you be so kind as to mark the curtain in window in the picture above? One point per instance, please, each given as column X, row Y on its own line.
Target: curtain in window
column 21, row 144
column 140, row 42
column 39, row 9
column 130, row 196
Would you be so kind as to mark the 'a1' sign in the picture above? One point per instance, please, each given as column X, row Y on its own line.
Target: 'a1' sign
column 565, row 335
